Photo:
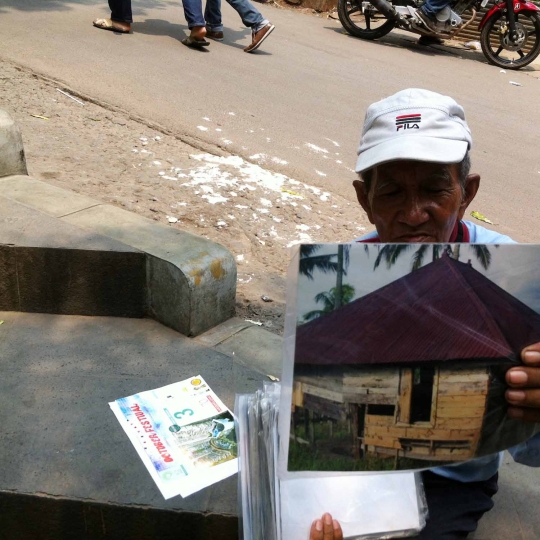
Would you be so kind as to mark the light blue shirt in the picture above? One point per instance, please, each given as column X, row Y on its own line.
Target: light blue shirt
column 527, row 453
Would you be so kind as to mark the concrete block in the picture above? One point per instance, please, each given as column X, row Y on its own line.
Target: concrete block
column 81, row 282
column 9, row 296
column 49, row 266
column 23, row 226
column 68, row 471
column 191, row 280
column 41, row 517
column 12, row 159
column 48, row 199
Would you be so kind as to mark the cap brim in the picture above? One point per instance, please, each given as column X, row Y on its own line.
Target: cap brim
column 412, row 148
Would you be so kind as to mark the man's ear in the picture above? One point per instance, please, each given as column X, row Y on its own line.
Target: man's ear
column 363, row 198
column 472, row 183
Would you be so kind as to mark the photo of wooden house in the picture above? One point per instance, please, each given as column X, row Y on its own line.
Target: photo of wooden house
column 416, row 368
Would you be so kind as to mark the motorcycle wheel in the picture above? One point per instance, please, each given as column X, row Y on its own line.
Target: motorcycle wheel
column 372, row 25
column 500, row 51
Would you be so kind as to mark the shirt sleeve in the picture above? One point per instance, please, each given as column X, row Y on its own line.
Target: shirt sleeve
column 527, row 453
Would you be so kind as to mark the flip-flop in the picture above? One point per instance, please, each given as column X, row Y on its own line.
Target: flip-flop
column 107, row 24
column 195, row 43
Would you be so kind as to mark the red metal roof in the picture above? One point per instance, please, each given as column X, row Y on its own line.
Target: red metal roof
column 444, row 311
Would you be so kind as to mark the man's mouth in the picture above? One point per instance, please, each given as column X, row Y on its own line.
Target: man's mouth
column 416, row 237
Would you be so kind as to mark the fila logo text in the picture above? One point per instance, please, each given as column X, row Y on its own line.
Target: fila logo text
column 408, row 121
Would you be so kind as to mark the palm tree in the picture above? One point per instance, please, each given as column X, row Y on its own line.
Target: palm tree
column 343, row 259
column 310, row 261
column 391, row 252
column 328, row 300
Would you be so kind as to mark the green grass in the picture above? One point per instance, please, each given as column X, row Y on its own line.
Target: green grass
column 303, row 457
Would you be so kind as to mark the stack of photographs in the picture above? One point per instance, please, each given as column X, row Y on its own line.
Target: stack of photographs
column 259, row 495
column 273, row 508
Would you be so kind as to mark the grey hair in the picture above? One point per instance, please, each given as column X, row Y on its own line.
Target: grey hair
column 464, row 170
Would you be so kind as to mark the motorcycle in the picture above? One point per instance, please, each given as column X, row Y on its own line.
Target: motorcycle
column 509, row 31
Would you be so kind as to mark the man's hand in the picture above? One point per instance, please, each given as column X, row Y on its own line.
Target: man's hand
column 326, row 529
column 524, row 396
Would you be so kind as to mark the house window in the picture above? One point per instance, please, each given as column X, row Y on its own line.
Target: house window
column 423, row 379
column 381, row 410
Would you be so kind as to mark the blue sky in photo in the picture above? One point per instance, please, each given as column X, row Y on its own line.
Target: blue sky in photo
column 514, row 267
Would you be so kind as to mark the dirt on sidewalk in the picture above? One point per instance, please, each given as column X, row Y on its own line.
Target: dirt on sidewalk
column 257, row 214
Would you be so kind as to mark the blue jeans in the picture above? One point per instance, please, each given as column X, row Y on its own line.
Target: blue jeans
column 193, row 13
column 455, row 507
column 432, row 7
column 121, row 10
column 250, row 15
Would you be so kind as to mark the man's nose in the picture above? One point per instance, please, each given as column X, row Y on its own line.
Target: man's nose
column 414, row 212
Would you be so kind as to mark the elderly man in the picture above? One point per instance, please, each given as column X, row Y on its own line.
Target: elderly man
column 415, row 186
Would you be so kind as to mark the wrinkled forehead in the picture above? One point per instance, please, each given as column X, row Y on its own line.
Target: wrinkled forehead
column 413, row 172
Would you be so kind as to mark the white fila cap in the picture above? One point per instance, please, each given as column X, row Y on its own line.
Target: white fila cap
column 414, row 124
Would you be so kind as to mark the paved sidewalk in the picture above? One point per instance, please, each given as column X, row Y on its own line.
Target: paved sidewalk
column 66, row 465
column 515, row 516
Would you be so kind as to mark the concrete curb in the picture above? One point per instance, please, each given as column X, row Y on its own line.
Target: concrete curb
column 28, row 516
column 12, row 159
column 49, row 266
column 190, row 281
column 247, row 344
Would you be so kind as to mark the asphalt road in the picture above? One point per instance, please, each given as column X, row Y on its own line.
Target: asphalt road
column 295, row 101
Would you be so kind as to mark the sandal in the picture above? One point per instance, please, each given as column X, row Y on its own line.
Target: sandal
column 108, row 24
column 195, row 43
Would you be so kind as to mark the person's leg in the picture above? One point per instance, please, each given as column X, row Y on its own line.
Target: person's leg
column 250, row 15
column 196, row 23
column 432, row 7
column 193, row 13
column 455, row 507
column 212, row 16
column 261, row 28
column 121, row 11
column 121, row 17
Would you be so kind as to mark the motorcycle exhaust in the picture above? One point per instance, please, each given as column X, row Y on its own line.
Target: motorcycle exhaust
column 386, row 8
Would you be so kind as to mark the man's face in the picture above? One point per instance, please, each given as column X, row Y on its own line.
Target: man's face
column 411, row 201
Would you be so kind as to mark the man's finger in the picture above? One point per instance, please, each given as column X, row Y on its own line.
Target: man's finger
column 524, row 398
column 531, row 355
column 316, row 532
column 328, row 527
column 524, row 415
column 338, row 533
column 523, row 377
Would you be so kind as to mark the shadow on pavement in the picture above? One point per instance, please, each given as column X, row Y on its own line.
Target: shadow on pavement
column 410, row 42
column 160, row 27
column 140, row 7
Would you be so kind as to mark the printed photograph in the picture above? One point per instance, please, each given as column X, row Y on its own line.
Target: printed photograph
column 402, row 350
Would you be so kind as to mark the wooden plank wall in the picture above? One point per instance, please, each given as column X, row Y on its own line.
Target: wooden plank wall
column 379, row 387
column 458, row 415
